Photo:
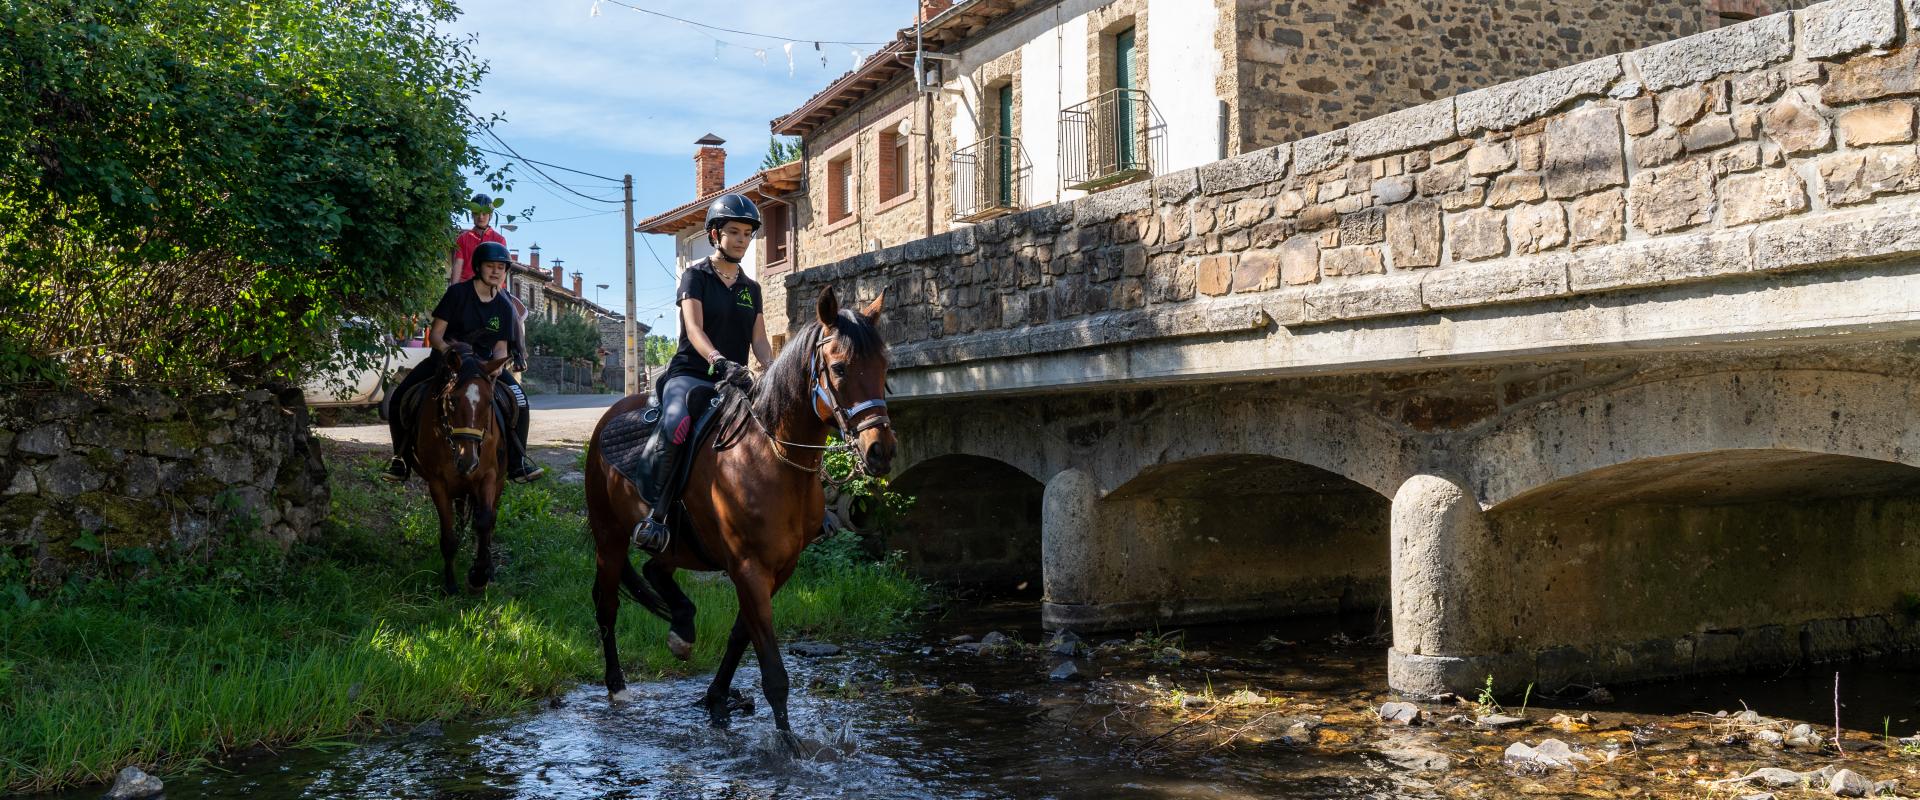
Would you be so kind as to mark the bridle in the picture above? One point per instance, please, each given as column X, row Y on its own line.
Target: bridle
column 447, row 430
column 837, row 414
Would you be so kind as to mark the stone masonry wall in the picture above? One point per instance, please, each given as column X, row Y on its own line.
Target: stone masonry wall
column 1784, row 143
column 140, row 469
column 856, row 134
column 1310, row 66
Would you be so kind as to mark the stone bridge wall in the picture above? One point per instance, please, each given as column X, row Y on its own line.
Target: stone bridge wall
column 140, row 469
column 1784, row 143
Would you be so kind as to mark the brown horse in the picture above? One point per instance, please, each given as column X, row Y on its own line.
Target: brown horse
column 754, row 503
column 457, row 451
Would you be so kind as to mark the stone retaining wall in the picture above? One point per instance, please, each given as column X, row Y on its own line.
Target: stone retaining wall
column 140, row 469
column 1785, row 143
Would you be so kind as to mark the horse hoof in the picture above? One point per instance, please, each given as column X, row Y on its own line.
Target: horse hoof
column 681, row 648
column 622, row 696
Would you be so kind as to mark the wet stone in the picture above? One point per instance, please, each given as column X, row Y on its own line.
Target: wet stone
column 1068, row 670
column 1066, row 643
column 813, row 649
column 1418, row 759
column 1847, row 783
column 133, row 783
column 1500, row 722
column 1400, row 714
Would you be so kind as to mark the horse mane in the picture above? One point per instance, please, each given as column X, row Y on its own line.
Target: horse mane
column 788, row 383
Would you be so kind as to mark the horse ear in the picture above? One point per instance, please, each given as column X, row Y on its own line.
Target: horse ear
column 873, row 309
column 493, row 367
column 829, row 307
column 450, row 357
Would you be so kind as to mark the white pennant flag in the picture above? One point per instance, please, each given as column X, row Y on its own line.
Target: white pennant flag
column 789, row 49
column 858, row 59
column 823, row 55
column 762, row 55
column 595, row 11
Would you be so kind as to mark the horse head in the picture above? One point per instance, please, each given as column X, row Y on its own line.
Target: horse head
column 850, row 380
column 466, row 403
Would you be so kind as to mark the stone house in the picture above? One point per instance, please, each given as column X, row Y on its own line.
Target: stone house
column 547, row 296
column 771, row 256
column 1018, row 104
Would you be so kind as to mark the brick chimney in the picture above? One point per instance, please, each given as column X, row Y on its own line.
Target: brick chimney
column 533, row 256
column 576, row 284
column 709, row 166
column 559, row 277
column 932, row 8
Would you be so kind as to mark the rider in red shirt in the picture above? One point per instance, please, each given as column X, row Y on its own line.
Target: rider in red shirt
column 483, row 231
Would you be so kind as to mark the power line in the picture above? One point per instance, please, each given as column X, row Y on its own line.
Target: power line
column 564, row 219
column 733, row 31
column 542, row 173
column 616, row 181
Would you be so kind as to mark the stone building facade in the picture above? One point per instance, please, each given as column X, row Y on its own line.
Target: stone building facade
column 1213, row 79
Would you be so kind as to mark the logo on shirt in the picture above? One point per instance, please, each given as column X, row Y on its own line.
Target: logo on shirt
column 493, row 324
column 745, row 299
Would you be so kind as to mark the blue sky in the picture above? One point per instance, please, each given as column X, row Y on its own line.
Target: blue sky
column 628, row 92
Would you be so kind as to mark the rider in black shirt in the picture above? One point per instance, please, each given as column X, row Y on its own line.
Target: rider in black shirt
column 476, row 312
column 720, row 324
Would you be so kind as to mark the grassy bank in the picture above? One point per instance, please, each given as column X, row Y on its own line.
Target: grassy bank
column 351, row 633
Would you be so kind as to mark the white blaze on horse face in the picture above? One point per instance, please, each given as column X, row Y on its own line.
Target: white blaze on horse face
column 473, row 395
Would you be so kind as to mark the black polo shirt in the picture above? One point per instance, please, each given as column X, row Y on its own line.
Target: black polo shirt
column 474, row 322
column 727, row 315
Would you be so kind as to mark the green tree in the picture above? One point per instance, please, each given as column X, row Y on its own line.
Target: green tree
column 568, row 336
column 197, row 193
column 780, row 151
column 660, row 349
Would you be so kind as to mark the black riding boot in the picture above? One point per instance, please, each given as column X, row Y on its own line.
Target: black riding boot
column 652, row 534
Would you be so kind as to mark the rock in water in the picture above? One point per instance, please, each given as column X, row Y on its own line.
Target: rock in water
column 1067, row 671
column 1400, row 713
column 1847, row 783
column 1771, row 739
column 1418, row 760
column 133, row 783
column 1499, row 722
column 813, row 649
column 1065, row 643
column 997, row 639
column 1552, row 753
column 1760, row 796
column 1774, row 776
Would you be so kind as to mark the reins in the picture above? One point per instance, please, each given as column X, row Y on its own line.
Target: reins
column 447, row 430
column 841, row 418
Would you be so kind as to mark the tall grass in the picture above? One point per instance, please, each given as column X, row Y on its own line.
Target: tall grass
column 352, row 633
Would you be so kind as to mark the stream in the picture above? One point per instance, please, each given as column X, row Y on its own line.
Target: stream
column 1284, row 709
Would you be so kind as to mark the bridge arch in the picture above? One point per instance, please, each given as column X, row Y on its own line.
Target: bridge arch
column 974, row 520
column 1724, row 520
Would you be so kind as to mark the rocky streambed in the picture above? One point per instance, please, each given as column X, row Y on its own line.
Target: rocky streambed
column 984, row 705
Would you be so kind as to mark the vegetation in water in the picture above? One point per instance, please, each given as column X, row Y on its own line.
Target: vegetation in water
column 350, row 635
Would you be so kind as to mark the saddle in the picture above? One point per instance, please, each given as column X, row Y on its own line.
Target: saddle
column 623, row 443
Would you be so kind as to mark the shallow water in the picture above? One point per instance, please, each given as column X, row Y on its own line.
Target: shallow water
column 918, row 718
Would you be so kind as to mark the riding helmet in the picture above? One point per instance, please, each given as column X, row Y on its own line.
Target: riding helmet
column 490, row 251
column 732, row 208
column 481, row 202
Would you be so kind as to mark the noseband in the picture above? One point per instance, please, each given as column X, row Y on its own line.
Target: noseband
column 842, row 417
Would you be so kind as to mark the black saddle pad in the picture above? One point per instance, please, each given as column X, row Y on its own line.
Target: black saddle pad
column 623, row 443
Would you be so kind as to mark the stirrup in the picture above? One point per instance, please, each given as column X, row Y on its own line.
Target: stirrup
column 652, row 535
column 528, row 474
column 397, row 471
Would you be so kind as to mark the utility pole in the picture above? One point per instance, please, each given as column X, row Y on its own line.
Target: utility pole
column 633, row 349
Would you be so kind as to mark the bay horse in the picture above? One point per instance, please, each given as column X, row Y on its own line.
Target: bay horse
column 753, row 504
column 456, row 450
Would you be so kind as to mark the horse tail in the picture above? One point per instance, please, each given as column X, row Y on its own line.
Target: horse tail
column 640, row 591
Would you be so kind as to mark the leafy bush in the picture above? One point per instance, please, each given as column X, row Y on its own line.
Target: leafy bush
column 568, row 336
column 243, row 177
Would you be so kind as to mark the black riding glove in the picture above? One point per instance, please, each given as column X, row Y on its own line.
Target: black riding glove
column 732, row 374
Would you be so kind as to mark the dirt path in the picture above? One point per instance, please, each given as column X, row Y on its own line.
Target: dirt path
column 558, row 420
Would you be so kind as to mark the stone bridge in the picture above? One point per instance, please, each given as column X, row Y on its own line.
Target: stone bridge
column 1611, row 373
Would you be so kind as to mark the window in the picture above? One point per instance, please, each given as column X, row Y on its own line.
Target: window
column 774, row 235
column 895, row 164
column 841, row 189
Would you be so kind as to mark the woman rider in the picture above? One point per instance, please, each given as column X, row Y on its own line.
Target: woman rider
column 719, row 323
column 476, row 312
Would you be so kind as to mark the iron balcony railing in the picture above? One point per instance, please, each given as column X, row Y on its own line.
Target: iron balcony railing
column 990, row 179
column 1111, row 139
